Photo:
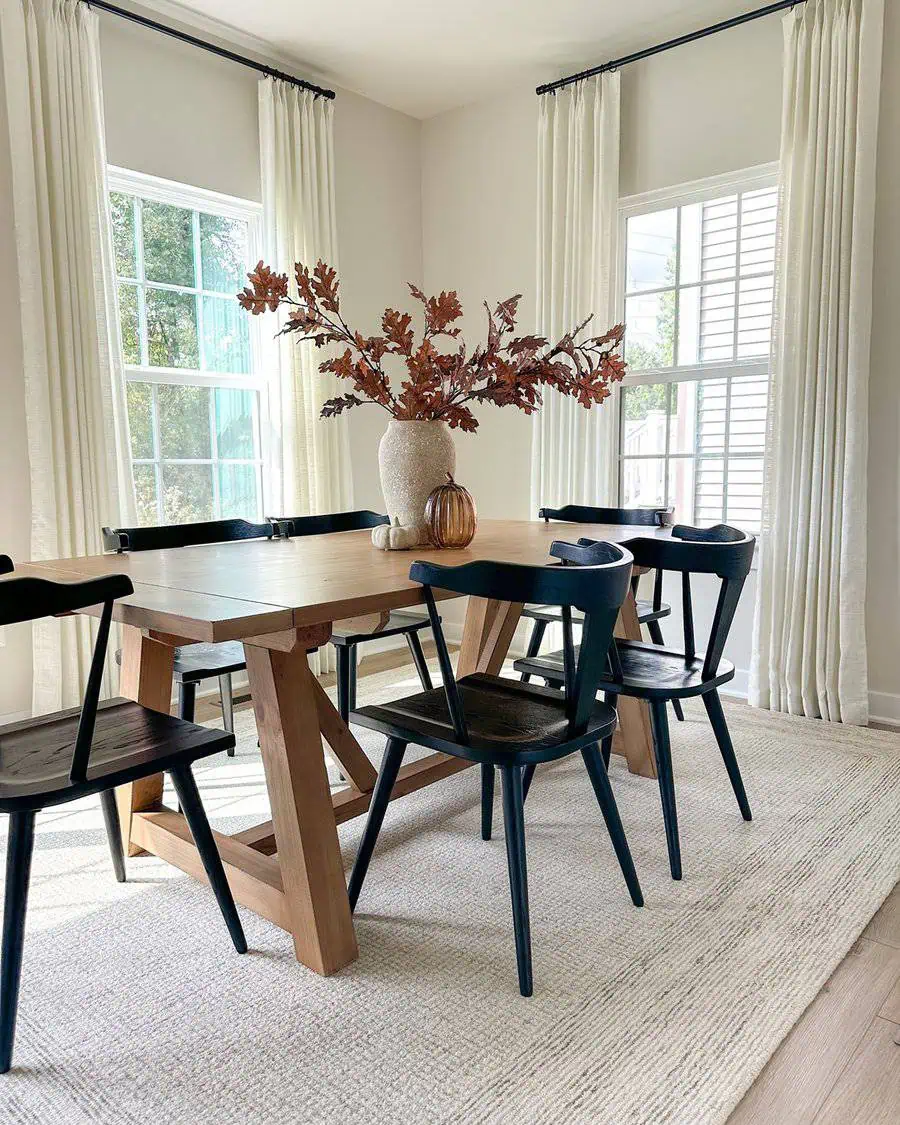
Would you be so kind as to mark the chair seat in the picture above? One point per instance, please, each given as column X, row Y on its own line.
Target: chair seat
column 648, row 671
column 509, row 722
column 551, row 614
column 204, row 661
column 396, row 624
column 130, row 742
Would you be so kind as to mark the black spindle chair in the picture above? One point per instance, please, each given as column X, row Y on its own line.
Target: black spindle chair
column 649, row 613
column 505, row 723
column 661, row 674
column 53, row 759
column 398, row 623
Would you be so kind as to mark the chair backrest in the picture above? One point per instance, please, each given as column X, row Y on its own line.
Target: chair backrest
column 6, row 564
column 27, row 599
column 724, row 551
column 287, row 526
column 121, row 539
column 597, row 590
column 579, row 513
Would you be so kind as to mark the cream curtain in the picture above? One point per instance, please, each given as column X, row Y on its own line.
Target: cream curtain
column 80, row 468
column 574, row 451
column 809, row 655
column 308, row 458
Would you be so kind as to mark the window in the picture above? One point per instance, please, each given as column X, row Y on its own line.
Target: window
column 191, row 353
column 698, row 268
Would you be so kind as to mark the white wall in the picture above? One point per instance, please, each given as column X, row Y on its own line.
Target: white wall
column 176, row 112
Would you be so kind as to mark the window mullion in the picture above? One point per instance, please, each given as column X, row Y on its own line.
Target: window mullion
column 157, row 452
column 143, row 343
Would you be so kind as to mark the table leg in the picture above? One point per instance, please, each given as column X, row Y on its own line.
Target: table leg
column 633, row 739
column 285, row 702
column 487, row 635
column 146, row 677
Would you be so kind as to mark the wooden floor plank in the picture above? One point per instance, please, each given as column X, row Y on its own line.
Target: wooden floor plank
column 885, row 926
column 868, row 1090
column 891, row 1008
column 798, row 1078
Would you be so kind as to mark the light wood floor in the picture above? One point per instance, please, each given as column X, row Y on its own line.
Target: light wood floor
column 840, row 1065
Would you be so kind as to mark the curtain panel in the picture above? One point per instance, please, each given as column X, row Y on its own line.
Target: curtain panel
column 76, row 413
column 575, row 451
column 308, row 458
column 809, row 653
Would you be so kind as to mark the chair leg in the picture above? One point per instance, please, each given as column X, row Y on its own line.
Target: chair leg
column 381, row 795
column 607, row 802
column 343, row 679
column 415, row 647
column 659, row 722
column 187, row 697
column 113, row 833
column 534, row 645
column 655, row 631
column 487, row 800
column 18, row 871
column 195, row 814
column 720, row 727
column 514, row 827
column 606, row 745
column 527, row 778
column 226, row 695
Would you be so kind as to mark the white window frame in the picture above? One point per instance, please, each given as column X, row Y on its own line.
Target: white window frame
column 197, row 199
column 662, row 199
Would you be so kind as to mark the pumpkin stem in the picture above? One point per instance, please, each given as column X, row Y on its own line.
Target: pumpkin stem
column 450, row 478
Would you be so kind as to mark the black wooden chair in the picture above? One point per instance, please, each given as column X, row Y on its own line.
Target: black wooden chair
column 398, row 623
column 662, row 674
column 194, row 663
column 649, row 613
column 507, row 724
column 57, row 758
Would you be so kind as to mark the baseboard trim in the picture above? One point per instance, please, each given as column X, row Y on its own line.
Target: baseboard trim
column 884, row 707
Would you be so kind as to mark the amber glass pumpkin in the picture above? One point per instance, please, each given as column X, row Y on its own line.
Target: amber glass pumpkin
column 450, row 515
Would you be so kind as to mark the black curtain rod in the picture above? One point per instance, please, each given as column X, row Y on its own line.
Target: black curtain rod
column 183, row 36
column 735, row 21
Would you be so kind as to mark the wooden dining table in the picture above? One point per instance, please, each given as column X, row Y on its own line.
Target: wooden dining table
column 281, row 598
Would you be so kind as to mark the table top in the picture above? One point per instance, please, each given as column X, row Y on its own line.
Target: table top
column 230, row 591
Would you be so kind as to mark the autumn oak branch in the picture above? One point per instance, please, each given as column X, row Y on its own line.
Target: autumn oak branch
column 439, row 385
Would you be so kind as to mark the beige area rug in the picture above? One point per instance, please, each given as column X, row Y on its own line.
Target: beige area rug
column 136, row 1009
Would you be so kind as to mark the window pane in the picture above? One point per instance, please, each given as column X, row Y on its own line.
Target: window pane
column 745, row 483
column 238, row 493
column 128, row 321
column 706, row 327
column 650, row 256
column 187, row 493
column 712, row 408
column 643, row 482
column 145, row 490
column 681, row 488
column 650, row 331
column 223, row 253
column 755, row 316
column 168, row 244
column 172, row 329
column 184, row 422
column 709, row 494
column 749, row 403
column 644, row 427
column 140, row 420
column 759, row 211
column 719, row 238
column 234, row 423
column 122, row 213
column 683, row 416
column 226, row 336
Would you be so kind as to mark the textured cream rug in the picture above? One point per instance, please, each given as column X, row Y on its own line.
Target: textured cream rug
column 135, row 1008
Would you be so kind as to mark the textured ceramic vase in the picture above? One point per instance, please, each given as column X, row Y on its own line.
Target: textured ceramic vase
column 413, row 458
